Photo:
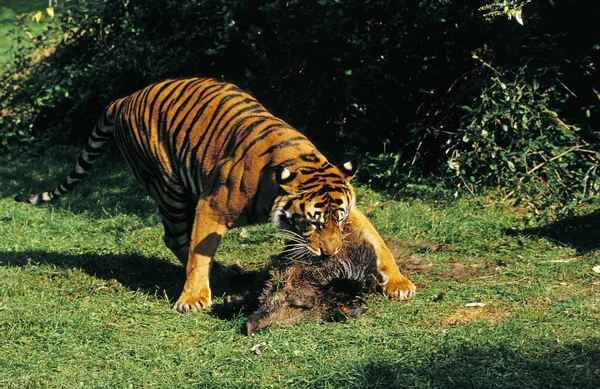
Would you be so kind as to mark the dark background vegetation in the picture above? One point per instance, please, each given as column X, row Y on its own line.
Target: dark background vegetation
column 422, row 92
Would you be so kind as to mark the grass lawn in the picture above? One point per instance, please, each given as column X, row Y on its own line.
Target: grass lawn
column 86, row 288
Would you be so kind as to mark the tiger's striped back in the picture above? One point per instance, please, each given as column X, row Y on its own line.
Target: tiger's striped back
column 184, row 129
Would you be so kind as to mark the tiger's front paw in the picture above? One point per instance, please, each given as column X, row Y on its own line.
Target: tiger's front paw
column 198, row 302
column 399, row 288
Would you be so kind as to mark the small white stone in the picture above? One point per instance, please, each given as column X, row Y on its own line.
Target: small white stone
column 475, row 305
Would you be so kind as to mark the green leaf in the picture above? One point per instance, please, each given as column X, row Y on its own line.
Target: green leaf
column 511, row 166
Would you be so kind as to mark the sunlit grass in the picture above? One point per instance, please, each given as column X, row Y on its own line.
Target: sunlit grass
column 86, row 288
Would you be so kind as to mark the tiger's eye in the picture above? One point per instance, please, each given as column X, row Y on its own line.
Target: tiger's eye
column 301, row 222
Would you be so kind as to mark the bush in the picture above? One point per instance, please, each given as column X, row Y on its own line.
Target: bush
column 524, row 120
column 510, row 137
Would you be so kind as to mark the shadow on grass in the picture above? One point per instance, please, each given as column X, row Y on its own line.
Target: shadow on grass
column 542, row 364
column 153, row 276
column 579, row 232
column 110, row 187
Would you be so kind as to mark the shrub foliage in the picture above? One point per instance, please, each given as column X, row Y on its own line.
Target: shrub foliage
column 428, row 90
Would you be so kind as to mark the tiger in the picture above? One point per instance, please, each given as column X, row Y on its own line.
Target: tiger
column 213, row 158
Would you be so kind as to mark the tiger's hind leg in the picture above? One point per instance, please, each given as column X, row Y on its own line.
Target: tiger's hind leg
column 177, row 232
column 177, row 215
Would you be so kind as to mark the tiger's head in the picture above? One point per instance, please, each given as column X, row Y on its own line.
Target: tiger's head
column 312, row 208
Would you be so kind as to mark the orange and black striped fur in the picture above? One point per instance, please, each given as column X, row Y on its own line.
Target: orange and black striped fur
column 213, row 158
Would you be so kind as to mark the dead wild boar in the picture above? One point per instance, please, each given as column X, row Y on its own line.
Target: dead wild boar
column 289, row 291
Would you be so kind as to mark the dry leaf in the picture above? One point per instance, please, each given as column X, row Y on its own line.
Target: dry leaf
column 519, row 16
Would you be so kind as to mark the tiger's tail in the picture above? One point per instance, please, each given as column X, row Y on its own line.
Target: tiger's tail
column 102, row 132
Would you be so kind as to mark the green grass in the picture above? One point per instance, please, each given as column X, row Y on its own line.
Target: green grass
column 9, row 10
column 86, row 288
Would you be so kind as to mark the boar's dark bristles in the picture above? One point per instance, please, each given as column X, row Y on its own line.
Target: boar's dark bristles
column 289, row 292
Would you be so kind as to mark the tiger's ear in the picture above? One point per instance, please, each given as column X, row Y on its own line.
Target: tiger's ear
column 348, row 169
column 284, row 177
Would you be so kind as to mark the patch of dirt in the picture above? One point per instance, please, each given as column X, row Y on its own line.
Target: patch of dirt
column 413, row 264
column 466, row 315
column 462, row 271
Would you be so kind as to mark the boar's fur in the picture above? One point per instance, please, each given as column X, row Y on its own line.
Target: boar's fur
column 289, row 291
